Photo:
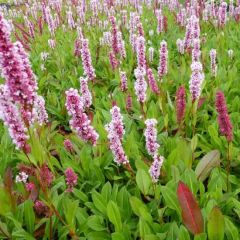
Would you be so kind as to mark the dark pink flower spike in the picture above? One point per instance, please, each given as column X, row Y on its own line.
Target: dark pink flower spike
column 180, row 103
column 224, row 121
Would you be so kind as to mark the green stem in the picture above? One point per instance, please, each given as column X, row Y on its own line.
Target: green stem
column 228, row 165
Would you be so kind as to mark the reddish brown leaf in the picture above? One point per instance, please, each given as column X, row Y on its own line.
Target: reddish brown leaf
column 191, row 213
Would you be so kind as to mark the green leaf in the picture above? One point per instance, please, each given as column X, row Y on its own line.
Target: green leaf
column 231, row 230
column 202, row 236
column 118, row 236
column 215, row 225
column 70, row 209
column 98, row 236
column 144, row 228
column 29, row 215
column 140, row 209
column 194, row 143
column 99, row 202
column 114, row 216
column 206, row 164
column 143, row 181
column 171, row 200
column 96, row 223
column 183, row 234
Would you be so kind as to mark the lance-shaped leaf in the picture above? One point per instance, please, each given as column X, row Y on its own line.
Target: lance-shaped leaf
column 216, row 225
column 191, row 213
column 206, row 164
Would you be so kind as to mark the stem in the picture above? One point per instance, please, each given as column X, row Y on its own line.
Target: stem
column 50, row 234
column 228, row 165
column 193, row 125
column 142, row 110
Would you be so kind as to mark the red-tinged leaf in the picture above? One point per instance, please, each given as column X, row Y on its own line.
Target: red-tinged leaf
column 191, row 213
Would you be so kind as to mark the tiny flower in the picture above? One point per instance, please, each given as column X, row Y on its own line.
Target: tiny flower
column 51, row 43
column 68, row 145
column 71, row 179
column 21, row 177
column 213, row 55
column 29, row 186
column 230, row 53
column 151, row 54
column 40, row 208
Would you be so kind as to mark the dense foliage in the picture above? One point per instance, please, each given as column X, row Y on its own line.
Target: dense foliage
column 122, row 122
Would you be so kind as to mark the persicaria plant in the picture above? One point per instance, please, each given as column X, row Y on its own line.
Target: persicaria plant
column 119, row 120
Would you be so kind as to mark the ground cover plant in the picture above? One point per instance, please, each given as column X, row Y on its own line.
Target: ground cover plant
column 119, row 119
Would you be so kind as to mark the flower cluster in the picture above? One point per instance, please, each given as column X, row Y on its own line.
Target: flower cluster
column 113, row 60
column 89, row 71
column 22, row 177
column 151, row 137
column 71, row 179
column 68, row 145
column 163, row 62
column 79, row 120
column 10, row 114
column 140, row 85
column 123, row 78
column 141, row 58
column 223, row 117
column 86, row 95
column 197, row 78
column 151, row 54
column 152, row 147
column 155, row 168
column 180, row 104
column 152, row 82
column 114, row 37
column 213, row 56
column 115, row 130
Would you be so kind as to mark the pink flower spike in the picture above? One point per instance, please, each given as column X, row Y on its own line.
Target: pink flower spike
column 152, row 82
column 79, row 120
column 71, row 179
column 163, row 62
column 180, row 104
column 115, row 130
column 224, row 121
column 123, row 79
column 86, row 95
column 89, row 71
column 68, row 145
column 155, row 168
column 151, row 137
column 140, row 85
